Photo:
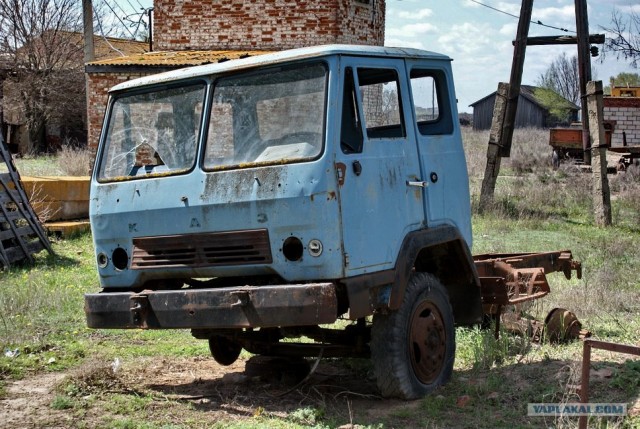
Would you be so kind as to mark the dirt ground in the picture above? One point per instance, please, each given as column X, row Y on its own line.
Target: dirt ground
column 198, row 392
column 194, row 389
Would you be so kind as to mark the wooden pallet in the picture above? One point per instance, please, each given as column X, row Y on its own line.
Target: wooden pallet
column 21, row 234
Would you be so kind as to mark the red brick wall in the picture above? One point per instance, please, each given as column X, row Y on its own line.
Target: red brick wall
column 246, row 25
column 265, row 24
column 98, row 85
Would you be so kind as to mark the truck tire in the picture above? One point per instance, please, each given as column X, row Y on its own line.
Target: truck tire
column 223, row 350
column 413, row 348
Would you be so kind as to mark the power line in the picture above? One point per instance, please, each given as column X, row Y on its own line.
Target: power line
column 537, row 22
column 118, row 18
column 103, row 36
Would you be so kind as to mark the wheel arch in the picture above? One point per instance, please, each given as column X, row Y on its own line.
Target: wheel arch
column 443, row 252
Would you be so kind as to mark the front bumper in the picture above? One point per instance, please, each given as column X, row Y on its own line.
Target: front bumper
column 215, row 308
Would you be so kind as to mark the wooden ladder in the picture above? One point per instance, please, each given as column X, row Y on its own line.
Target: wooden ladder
column 21, row 234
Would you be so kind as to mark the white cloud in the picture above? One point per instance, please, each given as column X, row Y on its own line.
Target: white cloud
column 469, row 3
column 412, row 30
column 509, row 30
column 634, row 8
column 415, row 15
column 467, row 38
column 402, row 43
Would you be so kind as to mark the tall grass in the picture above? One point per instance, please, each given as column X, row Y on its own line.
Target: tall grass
column 537, row 208
column 529, row 188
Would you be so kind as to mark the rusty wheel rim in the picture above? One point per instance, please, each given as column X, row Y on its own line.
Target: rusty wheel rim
column 427, row 342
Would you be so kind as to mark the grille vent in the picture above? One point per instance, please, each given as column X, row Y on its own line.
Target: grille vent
column 202, row 250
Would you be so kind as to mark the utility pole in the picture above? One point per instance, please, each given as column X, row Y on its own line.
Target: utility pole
column 502, row 146
column 87, row 17
column 600, row 182
column 89, row 54
column 584, row 71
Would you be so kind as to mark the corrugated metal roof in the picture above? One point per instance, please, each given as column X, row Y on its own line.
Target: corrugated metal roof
column 175, row 58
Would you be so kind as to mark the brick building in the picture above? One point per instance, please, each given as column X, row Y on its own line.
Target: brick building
column 624, row 114
column 194, row 32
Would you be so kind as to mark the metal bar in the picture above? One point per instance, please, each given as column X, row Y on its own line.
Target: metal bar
column 586, row 364
column 561, row 40
column 215, row 308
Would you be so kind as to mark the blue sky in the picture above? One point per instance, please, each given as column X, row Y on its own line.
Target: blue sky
column 479, row 39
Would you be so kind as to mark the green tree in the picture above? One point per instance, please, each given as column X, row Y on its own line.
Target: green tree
column 623, row 79
column 559, row 107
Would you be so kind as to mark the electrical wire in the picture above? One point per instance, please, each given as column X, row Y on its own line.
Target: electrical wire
column 537, row 22
column 105, row 37
column 118, row 18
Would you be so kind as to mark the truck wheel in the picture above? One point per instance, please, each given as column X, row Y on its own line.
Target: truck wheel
column 413, row 348
column 223, row 350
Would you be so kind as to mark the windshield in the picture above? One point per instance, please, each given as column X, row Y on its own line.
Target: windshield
column 152, row 133
column 272, row 116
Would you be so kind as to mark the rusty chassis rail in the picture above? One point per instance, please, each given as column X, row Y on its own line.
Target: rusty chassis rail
column 514, row 278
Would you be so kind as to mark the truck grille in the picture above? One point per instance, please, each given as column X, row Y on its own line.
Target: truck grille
column 202, row 250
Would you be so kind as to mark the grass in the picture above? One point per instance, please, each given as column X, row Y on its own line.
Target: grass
column 68, row 161
column 536, row 209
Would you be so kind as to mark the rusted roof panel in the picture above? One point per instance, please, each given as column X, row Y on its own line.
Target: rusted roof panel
column 176, row 58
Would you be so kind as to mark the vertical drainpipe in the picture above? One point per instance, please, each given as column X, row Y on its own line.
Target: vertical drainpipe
column 150, row 13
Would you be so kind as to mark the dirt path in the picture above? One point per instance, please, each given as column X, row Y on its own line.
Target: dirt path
column 27, row 404
column 179, row 390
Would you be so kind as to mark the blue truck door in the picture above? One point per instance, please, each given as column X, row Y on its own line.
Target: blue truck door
column 439, row 144
column 376, row 161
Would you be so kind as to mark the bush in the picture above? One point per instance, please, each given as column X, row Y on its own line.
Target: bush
column 74, row 161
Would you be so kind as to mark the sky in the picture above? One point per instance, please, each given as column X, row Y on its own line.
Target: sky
column 479, row 39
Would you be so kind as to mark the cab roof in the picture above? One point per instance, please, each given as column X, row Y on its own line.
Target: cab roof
column 279, row 57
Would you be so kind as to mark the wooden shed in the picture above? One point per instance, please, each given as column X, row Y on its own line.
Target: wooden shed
column 532, row 110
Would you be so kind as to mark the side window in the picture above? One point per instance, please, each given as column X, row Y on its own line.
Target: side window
column 381, row 103
column 430, row 101
column 351, row 127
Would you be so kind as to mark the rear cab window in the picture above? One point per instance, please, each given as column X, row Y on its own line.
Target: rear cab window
column 432, row 107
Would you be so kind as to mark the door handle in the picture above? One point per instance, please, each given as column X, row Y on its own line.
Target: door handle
column 417, row 183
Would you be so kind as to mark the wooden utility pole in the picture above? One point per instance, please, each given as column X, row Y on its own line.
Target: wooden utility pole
column 561, row 40
column 600, row 184
column 501, row 147
column 517, row 67
column 584, row 71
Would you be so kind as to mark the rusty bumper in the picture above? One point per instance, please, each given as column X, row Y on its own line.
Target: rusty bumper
column 229, row 307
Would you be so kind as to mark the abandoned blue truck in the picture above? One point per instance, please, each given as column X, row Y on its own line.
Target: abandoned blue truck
column 267, row 197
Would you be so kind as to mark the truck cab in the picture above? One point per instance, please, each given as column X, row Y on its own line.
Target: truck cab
column 267, row 197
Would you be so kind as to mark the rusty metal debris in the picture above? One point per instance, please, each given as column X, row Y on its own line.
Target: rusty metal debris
column 588, row 344
column 511, row 281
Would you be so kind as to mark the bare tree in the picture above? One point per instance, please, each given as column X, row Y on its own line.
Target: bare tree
column 562, row 77
column 625, row 36
column 46, row 82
